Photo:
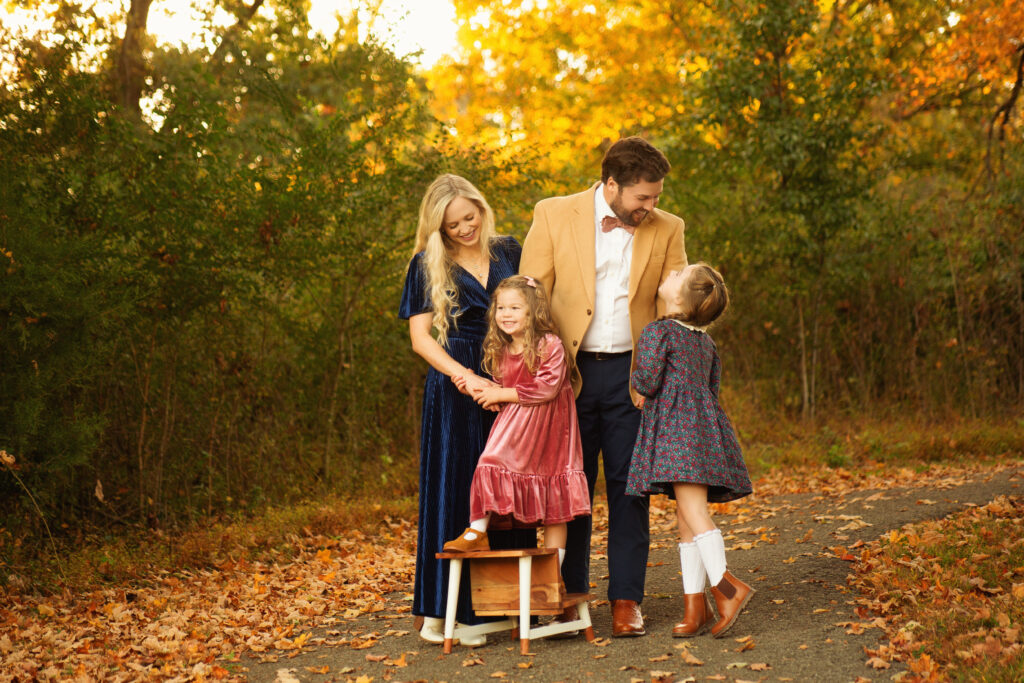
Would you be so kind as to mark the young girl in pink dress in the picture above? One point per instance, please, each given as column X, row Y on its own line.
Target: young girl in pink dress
column 531, row 470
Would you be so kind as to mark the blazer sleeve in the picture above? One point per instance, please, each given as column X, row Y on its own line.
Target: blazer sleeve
column 544, row 385
column 652, row 359
column 538, row 250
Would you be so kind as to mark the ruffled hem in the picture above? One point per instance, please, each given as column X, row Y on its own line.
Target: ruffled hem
column 514, row 499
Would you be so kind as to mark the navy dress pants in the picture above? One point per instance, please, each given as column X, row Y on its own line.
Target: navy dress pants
column 609, row 423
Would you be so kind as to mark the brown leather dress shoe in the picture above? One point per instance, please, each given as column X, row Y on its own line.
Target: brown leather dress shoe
column 697, row 617
column 731, row 596
column 626, row 619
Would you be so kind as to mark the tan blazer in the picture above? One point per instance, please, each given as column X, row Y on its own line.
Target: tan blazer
column 560, row 252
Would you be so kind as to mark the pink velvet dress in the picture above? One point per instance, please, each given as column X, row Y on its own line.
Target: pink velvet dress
column 531, row 470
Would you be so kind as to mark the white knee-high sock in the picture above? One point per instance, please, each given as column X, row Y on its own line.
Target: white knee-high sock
column 693, row 568
column 712, row 553
column 561, row 557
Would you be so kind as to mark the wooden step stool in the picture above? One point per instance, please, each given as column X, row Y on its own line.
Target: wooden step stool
column 515, row 583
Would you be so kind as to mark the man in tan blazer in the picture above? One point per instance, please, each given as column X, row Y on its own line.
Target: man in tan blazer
column 601, row 255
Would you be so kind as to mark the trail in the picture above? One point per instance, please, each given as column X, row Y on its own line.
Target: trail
column 800, row 626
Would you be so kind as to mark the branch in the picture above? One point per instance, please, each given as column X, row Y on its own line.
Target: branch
column 229, row 36
column 1005, row 110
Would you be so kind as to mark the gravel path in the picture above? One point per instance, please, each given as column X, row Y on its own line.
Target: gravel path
column 796, row 628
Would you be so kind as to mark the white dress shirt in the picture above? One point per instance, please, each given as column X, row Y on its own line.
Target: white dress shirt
column 609, row 328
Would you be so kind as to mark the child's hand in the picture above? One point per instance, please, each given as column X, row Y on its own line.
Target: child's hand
column 639, row 402
column 491, row 398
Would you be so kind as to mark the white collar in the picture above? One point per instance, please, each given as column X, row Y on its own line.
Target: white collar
column 691, row 327
column 601, row 206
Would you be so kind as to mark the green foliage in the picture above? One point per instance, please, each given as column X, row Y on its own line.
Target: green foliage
column 199, row 311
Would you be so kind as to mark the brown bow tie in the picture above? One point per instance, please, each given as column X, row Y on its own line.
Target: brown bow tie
column 609, row 223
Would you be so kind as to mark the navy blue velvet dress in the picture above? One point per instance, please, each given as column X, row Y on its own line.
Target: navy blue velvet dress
column 454, row 432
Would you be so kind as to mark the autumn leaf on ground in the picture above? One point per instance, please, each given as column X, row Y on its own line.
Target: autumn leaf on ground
column 690, row 659
column 659, row 658
column 759, row 666
column 473, row 661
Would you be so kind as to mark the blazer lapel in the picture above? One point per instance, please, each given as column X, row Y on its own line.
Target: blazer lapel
column 582, row 226
column 643, row 246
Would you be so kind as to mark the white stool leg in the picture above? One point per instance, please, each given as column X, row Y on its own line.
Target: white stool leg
column 525, row 584
column 454, row 579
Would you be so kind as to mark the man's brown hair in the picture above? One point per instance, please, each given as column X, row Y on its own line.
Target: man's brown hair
column 632, row 160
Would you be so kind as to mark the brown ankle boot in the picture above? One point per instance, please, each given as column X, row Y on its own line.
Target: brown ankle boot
column 696, row 617
column 731, row 596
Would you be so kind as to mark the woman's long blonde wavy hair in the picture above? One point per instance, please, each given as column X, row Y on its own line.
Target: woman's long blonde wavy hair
column 539, row 323
column 436, row 247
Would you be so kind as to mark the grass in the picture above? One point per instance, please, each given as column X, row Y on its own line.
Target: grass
column 770, row 442
column 135, row 554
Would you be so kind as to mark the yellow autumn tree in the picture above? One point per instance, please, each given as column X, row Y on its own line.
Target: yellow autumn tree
column 567, row 77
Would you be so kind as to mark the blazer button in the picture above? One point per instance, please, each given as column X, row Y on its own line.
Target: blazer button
column 574, row 342
column 590, row 312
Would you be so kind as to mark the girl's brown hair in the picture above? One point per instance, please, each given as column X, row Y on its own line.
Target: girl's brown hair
column 539, row 323
column 705, row 296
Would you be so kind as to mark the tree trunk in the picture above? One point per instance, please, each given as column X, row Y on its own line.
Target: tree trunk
column 805, row 394
column 131, row 67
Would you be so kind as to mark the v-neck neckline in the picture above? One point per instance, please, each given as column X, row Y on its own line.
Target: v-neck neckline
column 474, row 278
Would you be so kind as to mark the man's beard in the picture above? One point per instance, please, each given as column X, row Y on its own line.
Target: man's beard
column 631, row 219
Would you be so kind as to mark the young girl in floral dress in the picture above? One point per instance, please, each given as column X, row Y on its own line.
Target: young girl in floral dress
column 531, row 470
column 686, row 447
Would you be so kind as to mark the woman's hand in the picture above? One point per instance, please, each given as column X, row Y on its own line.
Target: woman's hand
column 471, row 384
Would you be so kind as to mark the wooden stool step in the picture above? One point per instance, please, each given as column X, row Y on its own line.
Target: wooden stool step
column 517, row 583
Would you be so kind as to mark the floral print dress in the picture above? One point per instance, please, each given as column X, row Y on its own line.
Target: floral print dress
column 685, row 436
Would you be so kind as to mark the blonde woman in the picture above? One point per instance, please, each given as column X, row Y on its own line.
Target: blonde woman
column 457, row 262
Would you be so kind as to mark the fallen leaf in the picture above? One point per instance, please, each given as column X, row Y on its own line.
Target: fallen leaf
column 736, row 665
column 660, row 658
column 759, row 666
column 322, row 670
column 878, row 663
column 474, row 661
column 376, row 658
column 746, row 646
column 690, row 659
column 499, row 674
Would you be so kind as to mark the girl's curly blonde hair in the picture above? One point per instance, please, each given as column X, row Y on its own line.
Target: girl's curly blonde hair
column 538, row 324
